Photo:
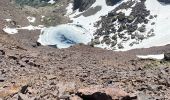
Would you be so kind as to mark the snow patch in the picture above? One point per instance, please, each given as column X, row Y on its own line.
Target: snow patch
column 31, row 27
column 8, row 20
column 157, row 56
column 31, row 19
column 64, row 36
column 126, row 11
column 15, row 30
column 51, row 1
column 10, row 30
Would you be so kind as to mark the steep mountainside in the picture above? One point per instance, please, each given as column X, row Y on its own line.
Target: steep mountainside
column 49, row 52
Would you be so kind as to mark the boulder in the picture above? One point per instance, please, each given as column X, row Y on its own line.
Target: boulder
column 130, row 18
column 106, row 39
column 114, row 37
column 113, row 43
column 132, row 27
column 121, row 16
column 100, row 93
column 142, row 28
column 167, row 56
column 96, row 41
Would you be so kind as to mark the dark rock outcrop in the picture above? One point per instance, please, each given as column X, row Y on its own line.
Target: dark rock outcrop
column 167, row 56
column 85, row 4
column 82, row 4
column 112, row 2
column 164, row 1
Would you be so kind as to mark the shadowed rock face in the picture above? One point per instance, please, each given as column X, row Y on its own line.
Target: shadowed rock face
column 112, row 2
column 85, row 4
column 164, row 1
column 82, row 4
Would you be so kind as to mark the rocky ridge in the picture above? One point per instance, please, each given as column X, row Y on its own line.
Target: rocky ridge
column 117, row 28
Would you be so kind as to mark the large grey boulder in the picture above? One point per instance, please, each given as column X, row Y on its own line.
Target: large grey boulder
column 167, row 56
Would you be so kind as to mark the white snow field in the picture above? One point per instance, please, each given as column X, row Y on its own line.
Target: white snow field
column 157, row 56
column 64, row 36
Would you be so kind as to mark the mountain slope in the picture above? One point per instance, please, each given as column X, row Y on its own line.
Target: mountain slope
column 126, row 24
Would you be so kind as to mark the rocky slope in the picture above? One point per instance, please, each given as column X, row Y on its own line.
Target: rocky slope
column 29, row 71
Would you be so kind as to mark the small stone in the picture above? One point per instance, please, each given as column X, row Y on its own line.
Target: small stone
column 142, row 29
column 146, row 21
column 132, row 27
column 24, row 89
column 153, row 23
column 113, row 43
column 106, row 39
column 96, row 41
column 120, row 46
column 121, row 16
column 151, row 17
column 2, row 79
column 133, row 36
column 155, row 16
column 139, row 36
column 130, row 18
column 114, row 37
column 114, row 18
column 13, row 23
column 2, row 52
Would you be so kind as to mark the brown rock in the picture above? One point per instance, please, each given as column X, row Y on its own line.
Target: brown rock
column 114, row 93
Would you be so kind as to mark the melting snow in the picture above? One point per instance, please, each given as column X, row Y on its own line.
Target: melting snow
column 64, row 36
column 10, row 30
column 31, row 27
column 126, row 11
column 8, row 20
column 31, row 19
column 15, row 30
column 51, row 1
column 157, row 56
